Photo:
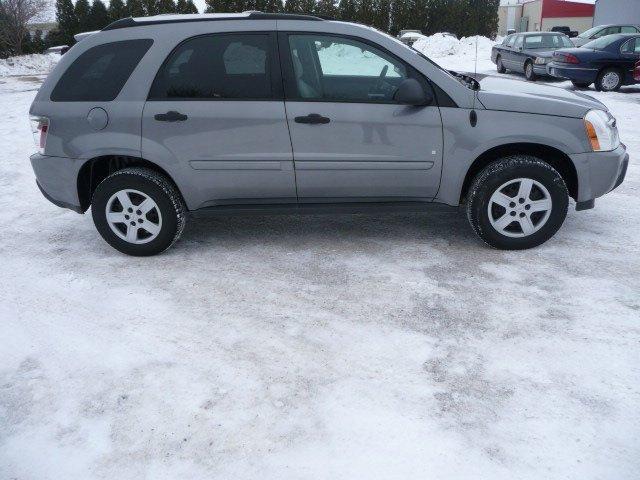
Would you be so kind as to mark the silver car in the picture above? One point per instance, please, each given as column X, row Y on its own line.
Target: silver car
column 155, row 118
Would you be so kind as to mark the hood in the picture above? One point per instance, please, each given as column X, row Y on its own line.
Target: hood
column 519, row 96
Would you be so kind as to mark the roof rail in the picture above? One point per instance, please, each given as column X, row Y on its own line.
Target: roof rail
column 176, row 18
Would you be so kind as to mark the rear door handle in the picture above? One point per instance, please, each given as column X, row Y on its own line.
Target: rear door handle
column 312, row 118
column 170, row 117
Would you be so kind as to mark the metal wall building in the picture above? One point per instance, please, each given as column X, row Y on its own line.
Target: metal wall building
column 617, row 11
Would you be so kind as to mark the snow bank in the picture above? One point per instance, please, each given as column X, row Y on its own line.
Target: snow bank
column 28, row 64
column 439, row 45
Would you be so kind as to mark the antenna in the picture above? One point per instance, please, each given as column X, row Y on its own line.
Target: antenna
column 473, row 116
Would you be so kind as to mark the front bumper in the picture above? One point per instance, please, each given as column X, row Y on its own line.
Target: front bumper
column 599, row 172
column 540, row 70
column 57, row 179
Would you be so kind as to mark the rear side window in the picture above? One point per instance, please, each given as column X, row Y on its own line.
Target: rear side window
column 99, row 74
column 219, row 66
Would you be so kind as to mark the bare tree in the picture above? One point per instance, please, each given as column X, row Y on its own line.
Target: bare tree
column 14, row 16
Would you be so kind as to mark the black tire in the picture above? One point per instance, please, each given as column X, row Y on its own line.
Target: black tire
column 528, row 71
column 603, row 86
column 157, row 187
column 497, row 174
column 580, row 84
column 500, row 65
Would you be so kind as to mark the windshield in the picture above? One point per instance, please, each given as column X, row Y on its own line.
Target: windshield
column 600, row 43
column 548, row 42
column 588, row 33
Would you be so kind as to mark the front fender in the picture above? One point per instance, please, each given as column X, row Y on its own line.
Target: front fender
column 463, row 144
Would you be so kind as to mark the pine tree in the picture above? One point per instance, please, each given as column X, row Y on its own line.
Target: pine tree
column 326, row 8
column 117, row 10
column 98, row 16
column 381, row 12
column 150, row 7
column 67, row 22
column 82, row 9
column 293, row 6
column 135, row 8
column 220, row 6
column 186, row 6
column 348, row 10
column 165, row 6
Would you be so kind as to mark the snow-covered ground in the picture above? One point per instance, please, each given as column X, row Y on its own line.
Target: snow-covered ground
column 28, row 64
column 317, row 347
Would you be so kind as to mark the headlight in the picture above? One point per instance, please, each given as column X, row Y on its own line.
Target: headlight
column 540, row 61
column 601, row 131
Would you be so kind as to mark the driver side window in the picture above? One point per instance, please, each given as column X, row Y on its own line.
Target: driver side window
column 333, row 69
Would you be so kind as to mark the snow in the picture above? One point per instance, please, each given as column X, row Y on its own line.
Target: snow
column 318, row 347
column 28, row 64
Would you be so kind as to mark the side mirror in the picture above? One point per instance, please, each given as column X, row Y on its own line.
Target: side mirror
column 410, row 92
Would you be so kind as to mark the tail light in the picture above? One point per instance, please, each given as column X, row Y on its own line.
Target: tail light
column 566, row 57
column 636, row 72
column 39, row 129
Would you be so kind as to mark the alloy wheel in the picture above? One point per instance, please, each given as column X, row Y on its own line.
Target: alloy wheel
column 133, row 216
column 519, row 207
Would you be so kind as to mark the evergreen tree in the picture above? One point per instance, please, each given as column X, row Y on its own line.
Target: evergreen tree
column 220, row 6
column 82, row 9
column 38, row 43
column 117, row 10
column 186, row 6
column 135, row 8
column 98, row 16
column 381, row 12
column 67, row 22
column 326, row 8
column 348, row 10
column 365, row 12
column 293, row 6
column 150, row 7
column 165, row 6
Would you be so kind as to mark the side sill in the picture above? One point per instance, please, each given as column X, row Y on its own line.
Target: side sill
column 320, row 208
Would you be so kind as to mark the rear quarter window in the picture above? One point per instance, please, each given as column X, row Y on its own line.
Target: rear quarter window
column 99, row 74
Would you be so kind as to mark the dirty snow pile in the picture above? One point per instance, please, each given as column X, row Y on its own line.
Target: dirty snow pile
column 440, row 45
column 28, row 64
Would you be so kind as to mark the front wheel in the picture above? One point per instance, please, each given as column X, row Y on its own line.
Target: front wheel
column 517, row 203
column 500, row 65
column 138, row 211
column 528, row 71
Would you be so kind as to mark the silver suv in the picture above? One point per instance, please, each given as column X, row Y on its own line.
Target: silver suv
column 157, row 117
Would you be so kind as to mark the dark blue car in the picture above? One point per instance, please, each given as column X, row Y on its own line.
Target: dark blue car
column 608, row 62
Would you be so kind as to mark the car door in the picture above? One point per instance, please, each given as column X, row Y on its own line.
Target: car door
column 507, row 52
column 630, row 53
column 216, row 113
column 351, row 140
column 518, row 55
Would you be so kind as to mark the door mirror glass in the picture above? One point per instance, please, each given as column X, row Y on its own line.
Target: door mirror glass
column 410, row 92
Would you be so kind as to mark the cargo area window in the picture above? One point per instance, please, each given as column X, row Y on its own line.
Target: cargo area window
column 99, row 74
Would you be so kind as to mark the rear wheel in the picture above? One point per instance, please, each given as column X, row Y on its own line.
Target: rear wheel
column 138, row 211
column 609, row 80
column 517, row 203
column 499, row 65
column 528, row 71
column 580, row 84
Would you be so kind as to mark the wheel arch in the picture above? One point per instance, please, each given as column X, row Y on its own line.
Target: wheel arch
column 96, row 169
column 551, row 155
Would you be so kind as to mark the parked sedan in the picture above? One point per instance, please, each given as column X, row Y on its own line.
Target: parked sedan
column 528, row 52
column 602, row 31
column 609, row 62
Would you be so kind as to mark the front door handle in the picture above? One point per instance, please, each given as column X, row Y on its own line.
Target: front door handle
column 170, row 117
column 312, row 118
